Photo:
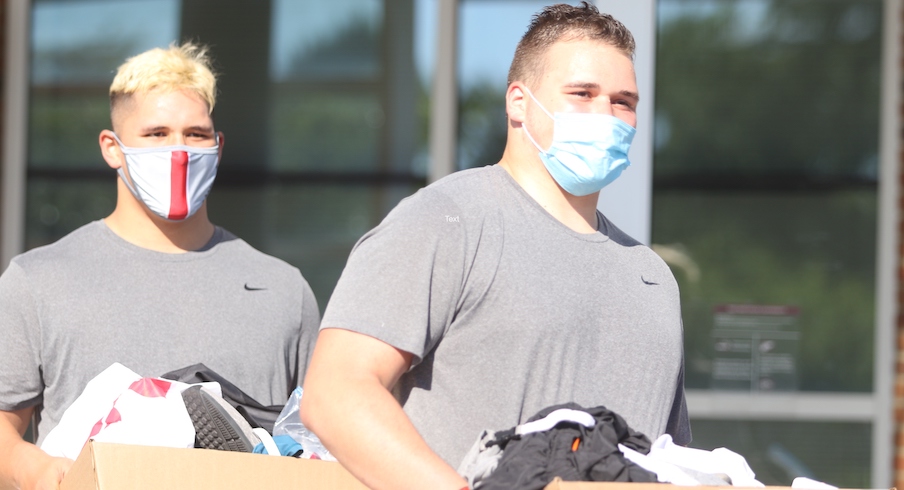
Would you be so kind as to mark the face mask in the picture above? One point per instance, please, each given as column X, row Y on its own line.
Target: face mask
column 588, row 151
column 172, row 181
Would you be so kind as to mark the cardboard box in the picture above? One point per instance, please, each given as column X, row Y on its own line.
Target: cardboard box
column 106, row 466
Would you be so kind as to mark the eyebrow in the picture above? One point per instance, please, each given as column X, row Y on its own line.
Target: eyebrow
column 596, row 86
column 151, row 129
column 631, row 95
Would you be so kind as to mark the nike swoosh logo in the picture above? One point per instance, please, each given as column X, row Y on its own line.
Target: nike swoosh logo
column 252, row 288
column 651, row 283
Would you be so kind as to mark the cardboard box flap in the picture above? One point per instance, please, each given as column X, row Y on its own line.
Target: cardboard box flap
column 559, row 484
column 81, row 475
column 103, row 466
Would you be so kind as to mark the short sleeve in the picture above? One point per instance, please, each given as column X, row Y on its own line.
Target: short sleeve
column 403, row 279
column 679, row 425
column 20, row 333
column 310, row 326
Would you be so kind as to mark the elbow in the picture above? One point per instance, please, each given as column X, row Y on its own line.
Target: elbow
column 311, row 408
column 308, row 411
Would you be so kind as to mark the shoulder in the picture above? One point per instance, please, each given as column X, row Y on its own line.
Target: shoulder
column 233, row 250
column 227, row 243
column 81, row 243
column 470, row 192
column 615, row 233
column 630, row 250
column 465, row 186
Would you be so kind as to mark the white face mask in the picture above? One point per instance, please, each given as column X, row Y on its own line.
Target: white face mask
column 172, row 181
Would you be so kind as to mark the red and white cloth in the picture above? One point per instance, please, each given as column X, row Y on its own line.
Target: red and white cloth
column 119, row 405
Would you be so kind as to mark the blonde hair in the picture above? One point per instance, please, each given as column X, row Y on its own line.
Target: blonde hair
column 185, row 67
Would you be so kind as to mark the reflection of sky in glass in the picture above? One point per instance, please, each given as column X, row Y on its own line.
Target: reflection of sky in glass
column 489, row 30
column 84, row 41
column 752, row 18
column 298, row 26
column 750, row 14
column 425, row 23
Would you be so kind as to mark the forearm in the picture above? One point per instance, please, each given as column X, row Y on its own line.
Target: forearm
column 366, row 430
column 24, row 465
column 18, row 459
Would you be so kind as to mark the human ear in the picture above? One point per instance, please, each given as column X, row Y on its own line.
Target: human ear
column 221, row 140
column 110, row 149
column 516, row 102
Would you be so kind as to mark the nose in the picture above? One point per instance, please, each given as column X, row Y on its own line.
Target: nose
column 603, row 105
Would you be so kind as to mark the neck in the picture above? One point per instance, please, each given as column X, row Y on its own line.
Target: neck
column 575, row 212
column 136, row 224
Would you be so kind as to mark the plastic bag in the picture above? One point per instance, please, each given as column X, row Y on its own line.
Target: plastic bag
column 289, row 424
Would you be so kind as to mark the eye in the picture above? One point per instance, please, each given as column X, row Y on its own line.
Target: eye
column 198, row 133
column 624, row 103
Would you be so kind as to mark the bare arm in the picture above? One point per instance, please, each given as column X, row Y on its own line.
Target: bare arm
column 347, row 403
column 22, row 464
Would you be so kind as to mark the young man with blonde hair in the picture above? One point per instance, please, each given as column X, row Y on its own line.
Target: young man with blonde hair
column 499, row 291
column 155, row 285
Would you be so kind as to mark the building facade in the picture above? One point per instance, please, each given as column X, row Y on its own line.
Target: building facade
column 766, row 172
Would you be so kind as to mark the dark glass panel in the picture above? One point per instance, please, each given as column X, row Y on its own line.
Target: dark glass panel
column 778, row 451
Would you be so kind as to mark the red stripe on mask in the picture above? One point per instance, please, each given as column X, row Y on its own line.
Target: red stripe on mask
column 178, row 178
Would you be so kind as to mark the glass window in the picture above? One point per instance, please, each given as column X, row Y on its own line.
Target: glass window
column 778, row 452
column 765, row 206
column 488, row 34
column 340, row 40
column 325, row 108
column 76, row 48
column 312, row 126
column 765, row 174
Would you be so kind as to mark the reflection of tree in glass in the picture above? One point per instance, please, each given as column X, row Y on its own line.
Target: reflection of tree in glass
column 353, row 48
column 782, row 249
column 481, row 125
column 93, row 62
column 69, row 105
column 793, row 97
column 765, row 171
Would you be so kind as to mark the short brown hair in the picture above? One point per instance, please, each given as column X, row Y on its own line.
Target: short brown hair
column 565, row 22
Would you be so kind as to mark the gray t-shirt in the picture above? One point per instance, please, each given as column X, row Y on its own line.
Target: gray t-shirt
column 508, row 311
column 70, row 309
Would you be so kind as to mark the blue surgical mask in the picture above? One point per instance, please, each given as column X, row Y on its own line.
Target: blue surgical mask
column 588, row 151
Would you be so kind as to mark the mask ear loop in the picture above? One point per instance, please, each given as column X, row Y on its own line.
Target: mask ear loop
column 523, row 125
column 125, row 163
column 538, row 103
